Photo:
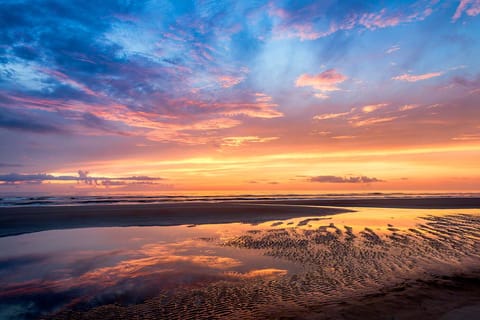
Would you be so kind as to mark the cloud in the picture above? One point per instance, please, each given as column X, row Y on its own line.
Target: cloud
column 373, row 107
column 408, row 107
column 325, row 81
column 338, row 179
column 112, row 75
column 471, row 7
column 392, row 49
column 384, row 19
column 303, row 23
column 26, row 122
column 327, row 116
column 414, row 78
column 467, row 137
column 370, row 121
column 3, row 165
column 343, row 137
column 239, row 141
column 83, row 176
column 229, row 81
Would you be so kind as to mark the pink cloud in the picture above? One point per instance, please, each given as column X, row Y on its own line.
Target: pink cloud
column 229, row 81
column 303, row 31
column 382, row 19
column 471, row 7
column 67, row 80
column 199, row 129
column 325, row 81
column 415, row 78
column 376, row 20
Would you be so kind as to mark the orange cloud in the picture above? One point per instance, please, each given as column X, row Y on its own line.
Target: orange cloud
column 373, row 107
column 408, row 107
column 415, row 78
column 330, row 115
column 467, row 137
column 371, row 121
column 260, row 273
column 324, row 81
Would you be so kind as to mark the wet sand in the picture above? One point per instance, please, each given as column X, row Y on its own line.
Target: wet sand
column 430, row 270
column 365, row 264
column 19, row 220
column 411, row 203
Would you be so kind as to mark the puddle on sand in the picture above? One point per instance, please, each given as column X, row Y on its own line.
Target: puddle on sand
column 47, row 271
column 230, row 270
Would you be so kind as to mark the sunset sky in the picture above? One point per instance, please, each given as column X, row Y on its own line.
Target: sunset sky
column 259, row 96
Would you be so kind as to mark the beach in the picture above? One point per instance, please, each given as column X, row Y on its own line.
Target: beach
column 25, row 219
column 286, row 259
column 18, row 220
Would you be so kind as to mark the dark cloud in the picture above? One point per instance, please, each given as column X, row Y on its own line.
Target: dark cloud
column 337, row 179
column 3, row 165
column 469, row 82
column 83, row 176
column 92, row 121
column 25, row 122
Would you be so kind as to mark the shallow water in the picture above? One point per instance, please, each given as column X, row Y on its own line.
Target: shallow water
column 230, row 270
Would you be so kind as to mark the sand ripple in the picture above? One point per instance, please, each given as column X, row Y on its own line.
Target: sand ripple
column 338, row 262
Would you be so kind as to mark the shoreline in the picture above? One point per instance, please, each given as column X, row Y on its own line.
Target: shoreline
column 16, row 221
column 21, row 220
column 400, row 203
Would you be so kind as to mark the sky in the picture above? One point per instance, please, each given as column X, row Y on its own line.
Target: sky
column 253, row 96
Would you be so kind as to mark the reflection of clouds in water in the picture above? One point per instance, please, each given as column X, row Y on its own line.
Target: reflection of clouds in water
column 265, row 273
column 339, row 256
column 84, row 276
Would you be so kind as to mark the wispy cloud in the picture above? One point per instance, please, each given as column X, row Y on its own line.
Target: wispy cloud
column 338, row 179
column 471, row 7
column 4, row 165
column 384, row 19
column 230, row 81
column 239, row 141
column 343, row 137
column 392, row 49
column 302, row 24
column 327, row 116
column 408, row 107
column 468, row 137
column 28, row 122
column 414, row 78
column 371, row 121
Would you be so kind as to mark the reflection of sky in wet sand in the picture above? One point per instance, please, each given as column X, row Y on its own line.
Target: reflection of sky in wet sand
column 292, row 261
column 123, row 264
